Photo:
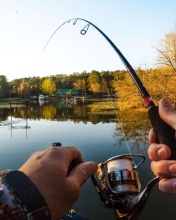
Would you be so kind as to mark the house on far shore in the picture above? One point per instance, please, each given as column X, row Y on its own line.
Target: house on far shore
column 67, row 93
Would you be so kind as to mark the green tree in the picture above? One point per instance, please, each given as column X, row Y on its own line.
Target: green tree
column 48, row 86
column 34, row 85
column 84, row 77
column 3, row 86
column 13, row 87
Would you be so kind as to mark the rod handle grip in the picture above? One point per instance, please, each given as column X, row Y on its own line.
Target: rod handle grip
column 164, row 132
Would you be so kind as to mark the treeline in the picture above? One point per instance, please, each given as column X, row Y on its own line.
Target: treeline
column 159, row 82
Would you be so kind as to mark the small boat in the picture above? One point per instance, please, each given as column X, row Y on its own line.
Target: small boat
column 41, row 97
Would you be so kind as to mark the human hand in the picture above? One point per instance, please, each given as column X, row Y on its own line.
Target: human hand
column 159, row 153
column 48, row 170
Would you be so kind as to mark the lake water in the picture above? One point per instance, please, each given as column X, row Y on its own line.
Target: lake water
column 94, row 133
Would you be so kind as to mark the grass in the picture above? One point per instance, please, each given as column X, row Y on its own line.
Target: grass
column 106, row 108
column 6, row 103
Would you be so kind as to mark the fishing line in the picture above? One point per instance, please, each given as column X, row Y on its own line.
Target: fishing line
column 56, row 31
column 118, row 119
column 83, row 32
column 119, row 165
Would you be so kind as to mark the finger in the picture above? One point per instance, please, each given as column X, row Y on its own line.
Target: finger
column 67, row 153
column 167, row 113
column 158, row 152
column 152, row 136
column 82, row 172
column 72, row 153
column 168, row 185
column 61, row 158
column 164, row 168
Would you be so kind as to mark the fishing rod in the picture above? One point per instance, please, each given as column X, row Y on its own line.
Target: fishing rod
column 117, row 181
column 165, row 134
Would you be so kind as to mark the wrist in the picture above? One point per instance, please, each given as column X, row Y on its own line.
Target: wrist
column 28, row 195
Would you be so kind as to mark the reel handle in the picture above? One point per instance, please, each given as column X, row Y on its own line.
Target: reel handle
column 164, row 132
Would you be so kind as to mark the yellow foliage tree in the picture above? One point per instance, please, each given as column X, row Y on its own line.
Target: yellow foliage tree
column 48, row 86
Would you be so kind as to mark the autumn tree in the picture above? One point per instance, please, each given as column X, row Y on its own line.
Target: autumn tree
column 107, row 78
column 80, row 84
column 167, row 58
column 48, row 86
column 167, row 50
column 127, row 93
column 22, row 89
column 94, row 82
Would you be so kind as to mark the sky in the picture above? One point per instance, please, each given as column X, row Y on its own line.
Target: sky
column 134, row 26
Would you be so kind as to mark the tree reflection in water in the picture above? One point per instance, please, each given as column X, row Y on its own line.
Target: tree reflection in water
column 58, row 111
column 131, row 124
column 95, row 121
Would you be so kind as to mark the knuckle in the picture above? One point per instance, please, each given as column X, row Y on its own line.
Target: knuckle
column 36, row 155
column 53, row 150
column 152, row 152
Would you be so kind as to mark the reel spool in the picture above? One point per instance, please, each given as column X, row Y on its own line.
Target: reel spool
column 118, row 183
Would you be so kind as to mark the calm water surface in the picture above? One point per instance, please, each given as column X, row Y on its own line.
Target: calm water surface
column 94, row 133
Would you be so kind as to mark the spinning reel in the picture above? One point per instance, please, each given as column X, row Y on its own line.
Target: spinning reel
column 118, row 185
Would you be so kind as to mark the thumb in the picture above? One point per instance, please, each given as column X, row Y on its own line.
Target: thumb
column 82, row 172
column 167, row 113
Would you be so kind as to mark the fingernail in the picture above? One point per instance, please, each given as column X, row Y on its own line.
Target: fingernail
column 162, row 154
column 172, row 168
column 168, row 188
column 166, row 102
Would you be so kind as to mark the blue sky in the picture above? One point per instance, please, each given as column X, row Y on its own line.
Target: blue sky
column 135, row 27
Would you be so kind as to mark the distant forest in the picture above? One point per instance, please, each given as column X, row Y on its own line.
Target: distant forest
column 159, row 82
